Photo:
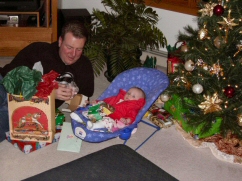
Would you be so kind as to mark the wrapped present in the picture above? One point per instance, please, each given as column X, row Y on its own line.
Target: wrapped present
column 153, row 109
column 30, row 146
column 98, row 111
column 172, row 60
column 148, row 115
column 159, row 116
column 59, row 119
column 106, row 108
column 94, row 113
column 162, row 123
column 31, row 104
column 172, row 63
column 176, row 109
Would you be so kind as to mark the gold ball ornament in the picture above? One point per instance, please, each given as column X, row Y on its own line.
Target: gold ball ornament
column 184, row 48
column 218, row 41
column 203, row 34
column 240, row 119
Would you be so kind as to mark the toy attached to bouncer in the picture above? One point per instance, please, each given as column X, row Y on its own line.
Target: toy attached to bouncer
column 152, row 81
column 98, row 111
column 98, row 114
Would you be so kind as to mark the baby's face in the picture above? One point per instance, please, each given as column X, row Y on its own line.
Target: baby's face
column 133, row 94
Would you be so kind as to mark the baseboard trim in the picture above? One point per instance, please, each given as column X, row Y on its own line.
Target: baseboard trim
column 160, row 53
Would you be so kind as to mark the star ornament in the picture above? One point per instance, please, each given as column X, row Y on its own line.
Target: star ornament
column 208, row 10
column 183, row 80
column 202, row 64
column 228, row 23
column 216, row 69
column 211, row 104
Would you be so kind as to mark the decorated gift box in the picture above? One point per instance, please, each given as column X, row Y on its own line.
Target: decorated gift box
column 30, row 146
column 173, row 61
column 159, row 116
column 31, row 104
column 176, row 108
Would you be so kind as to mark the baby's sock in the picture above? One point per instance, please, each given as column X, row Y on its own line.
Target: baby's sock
column 76, row 117
column 89, row 125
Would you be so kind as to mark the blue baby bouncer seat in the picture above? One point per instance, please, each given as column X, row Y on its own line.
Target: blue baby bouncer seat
column 152, row 81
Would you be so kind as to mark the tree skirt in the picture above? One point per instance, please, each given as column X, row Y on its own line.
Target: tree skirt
column 226, row 149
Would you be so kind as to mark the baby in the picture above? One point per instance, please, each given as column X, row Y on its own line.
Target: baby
column 126, row 107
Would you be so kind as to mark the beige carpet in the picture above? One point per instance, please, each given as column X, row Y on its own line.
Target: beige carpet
column 166, row 148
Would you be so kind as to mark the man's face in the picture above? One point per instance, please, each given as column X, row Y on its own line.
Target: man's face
column 71, row 48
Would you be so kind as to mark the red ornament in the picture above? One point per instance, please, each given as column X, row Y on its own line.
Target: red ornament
column 218, row 10
column 229, row 92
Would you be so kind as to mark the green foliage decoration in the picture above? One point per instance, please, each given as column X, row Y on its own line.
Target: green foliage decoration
column 119, row 34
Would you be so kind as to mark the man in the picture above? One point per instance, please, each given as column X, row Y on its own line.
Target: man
column 66, row 55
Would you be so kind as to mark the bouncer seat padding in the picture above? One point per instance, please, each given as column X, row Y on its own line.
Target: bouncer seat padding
column 152, row 81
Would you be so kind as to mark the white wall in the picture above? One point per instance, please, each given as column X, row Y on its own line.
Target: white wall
column 170, row 22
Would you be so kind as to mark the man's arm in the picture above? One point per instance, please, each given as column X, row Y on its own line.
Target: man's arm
column 26, row 57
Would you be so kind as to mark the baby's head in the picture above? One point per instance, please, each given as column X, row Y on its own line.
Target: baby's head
column 134, row 93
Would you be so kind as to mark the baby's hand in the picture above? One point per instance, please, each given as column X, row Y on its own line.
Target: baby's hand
column 125, row 121
column 94, row 102
column 87, row 102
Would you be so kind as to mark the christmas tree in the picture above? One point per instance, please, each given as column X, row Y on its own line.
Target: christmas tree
column 209, row 80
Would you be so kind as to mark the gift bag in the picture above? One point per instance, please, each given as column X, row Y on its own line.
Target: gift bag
column 30, row 146
column 32, row 120
column 31, row 104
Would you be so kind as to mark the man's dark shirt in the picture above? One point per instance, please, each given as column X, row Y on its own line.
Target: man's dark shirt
column 48, row 55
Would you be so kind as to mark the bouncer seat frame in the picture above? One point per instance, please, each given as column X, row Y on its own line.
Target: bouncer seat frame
column 152, row 81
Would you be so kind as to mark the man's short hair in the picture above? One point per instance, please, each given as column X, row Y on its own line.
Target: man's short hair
column 76, row 27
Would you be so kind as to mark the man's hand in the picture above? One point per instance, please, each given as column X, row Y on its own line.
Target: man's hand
column 64, row 92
